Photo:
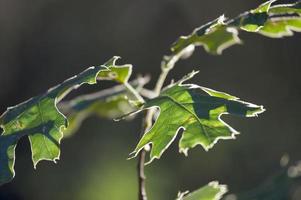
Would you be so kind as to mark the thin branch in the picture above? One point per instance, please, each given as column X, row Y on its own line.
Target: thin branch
column 134, row 92
column 141, row 176
column 138, row 83
column 147, row 93
column 148, row 121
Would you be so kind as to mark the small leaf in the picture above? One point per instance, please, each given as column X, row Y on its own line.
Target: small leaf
column 110, row 107
column 40, row 120
column 214, row 36
column 109, row 103
column 212, row 191
column 197, row 111
column 222, row 33
column 281, row 26
column 253, row 20
column 119, row 73
column 294, row 8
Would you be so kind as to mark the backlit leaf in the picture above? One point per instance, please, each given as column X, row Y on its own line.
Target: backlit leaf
column 119, row 73
column 212, row 191
column 197, row 111
column 110, row 103
column 294, row 8
column 40, row 120
column 269, row 20
column 281, row 26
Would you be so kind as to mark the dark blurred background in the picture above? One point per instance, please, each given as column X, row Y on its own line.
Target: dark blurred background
column 43, row 42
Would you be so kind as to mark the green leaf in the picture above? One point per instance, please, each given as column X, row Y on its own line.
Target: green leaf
column 222, row 33
column 253, row 20
column 118, row 73
column 197, row 111
column 294, row 8
column 40, row 120
column 110, row 107
column 110, row 103
column 212, row 191
column 214, row 36
column 281, row 26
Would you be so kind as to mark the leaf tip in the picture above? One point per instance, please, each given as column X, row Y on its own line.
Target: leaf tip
column 184, row 151
column 134, row 154
column 112, row 61
column 256, row 110
column 223, row 189
column 151, row 160
column 188, row 76
column 221, row 19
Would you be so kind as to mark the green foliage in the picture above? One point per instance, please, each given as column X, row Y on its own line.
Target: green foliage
column 271, row 21
column 212, row 191
column 40, row 120
column 118, row 73
column 294, row 8
column 109, row 103
column 196, row 110
column 281, row 26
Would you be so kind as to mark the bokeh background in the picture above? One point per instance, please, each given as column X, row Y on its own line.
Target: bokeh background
column 43, row 42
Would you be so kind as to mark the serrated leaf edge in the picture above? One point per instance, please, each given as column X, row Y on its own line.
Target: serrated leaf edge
column 223, row 189
column 133, row 154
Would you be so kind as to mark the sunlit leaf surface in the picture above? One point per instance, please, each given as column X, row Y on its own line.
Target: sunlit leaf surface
column 40, row 119
column 212, row 191
column 196, row 110
column 270, row 20
column 110, row 103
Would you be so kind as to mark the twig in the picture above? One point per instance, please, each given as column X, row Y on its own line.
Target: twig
column 141, row 176
column 138, row 83
column 147, row 93
column 134, row 92
column 148, row 121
